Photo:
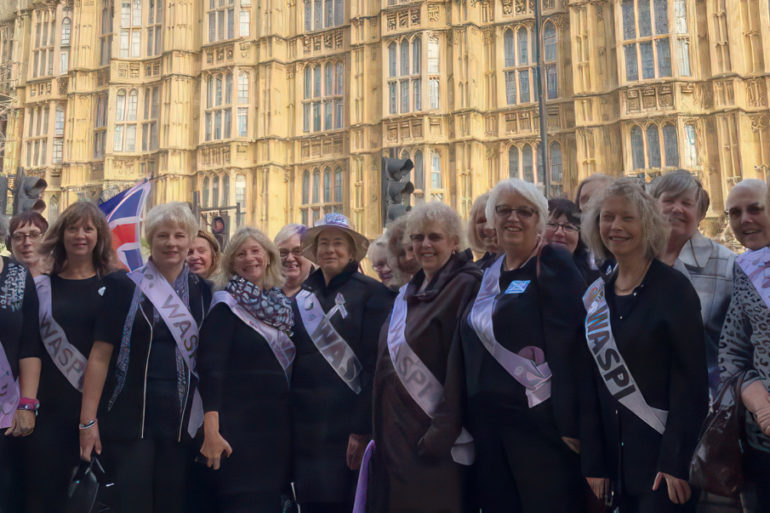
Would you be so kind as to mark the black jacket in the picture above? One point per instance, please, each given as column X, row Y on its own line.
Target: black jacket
column 325, row 410
column 126, row 418
column 659, row 332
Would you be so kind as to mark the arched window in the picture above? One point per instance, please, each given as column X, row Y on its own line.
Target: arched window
column 416, row 55
column 404, row 57
column 526, row 164
column 316, row 185
column 226, row 190
column 327, row 185
column 120, row 105
column 338, row 184
column 513, row 162
column 66, row 31
column 551, row 74
column 435, row 171
column 340, row 79
column 133, row 101
column 637, row 147
column 308, row 16
column 433, row 55
column 306, row 187
column 523, row 43
column 328, row 78
column 59, row 121
column 509, row 50
column 206, row 191
column 240, row 191
column 419, row 173
column 308, row 83
column 691, row 151
column 671, row 145
column 215, row 191
column 556, row 167
column 392, row 64
column 653, row 146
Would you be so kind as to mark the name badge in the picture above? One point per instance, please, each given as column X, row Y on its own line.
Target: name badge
column 517, row 287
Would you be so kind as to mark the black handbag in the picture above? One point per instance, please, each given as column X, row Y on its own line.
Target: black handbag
column 89, row 488
column 717, row 464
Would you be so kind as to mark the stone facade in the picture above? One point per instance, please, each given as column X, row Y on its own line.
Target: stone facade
column 286, row 107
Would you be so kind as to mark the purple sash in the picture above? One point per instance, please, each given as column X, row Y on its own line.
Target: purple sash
column 9, row 392
column 359, row 504
column 756, row 265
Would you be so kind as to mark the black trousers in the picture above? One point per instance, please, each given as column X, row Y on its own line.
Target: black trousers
column 656, row 502
column 12, row 494
column 523, row 470
column 149, row 474
column 756, row 468
column 52, row 454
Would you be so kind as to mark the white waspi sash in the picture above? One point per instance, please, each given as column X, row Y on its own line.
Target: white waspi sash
column 9, row 392
column 535, row 378
column 280, row 344
column 612, row 367
column 70, row 362
column 419, row 381
column 756, row 265
column 180, row 323
column 329, row 343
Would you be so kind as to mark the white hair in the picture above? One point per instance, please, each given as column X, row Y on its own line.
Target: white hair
column 752, row 184
column 527, row 190
column 175, row 212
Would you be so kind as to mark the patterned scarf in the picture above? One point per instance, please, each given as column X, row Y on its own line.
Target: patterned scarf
column 271, row 306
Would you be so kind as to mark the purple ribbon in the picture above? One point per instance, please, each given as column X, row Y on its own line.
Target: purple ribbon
column 359, row 505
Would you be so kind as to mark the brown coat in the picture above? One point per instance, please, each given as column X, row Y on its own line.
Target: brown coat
column 412, row 468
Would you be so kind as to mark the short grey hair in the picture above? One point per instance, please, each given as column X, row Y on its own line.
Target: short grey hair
column 655, row 228
column 753, row 184
column 273, row 275
column 679, row 182
column 441, row 214
column 527, row 190
column 289, row 231
column 479, row 207
column 378, row 247
column 596, row 177
column 175, row 212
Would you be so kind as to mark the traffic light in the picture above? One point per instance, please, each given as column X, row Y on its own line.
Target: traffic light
column 395, row 190
column 220, row 227
column 29, row 194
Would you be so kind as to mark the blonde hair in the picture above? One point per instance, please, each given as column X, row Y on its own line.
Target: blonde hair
column 479, row 207
column 655, row 228
column 175, row 212
column 441, row 214
column 216, row 253
column 527, row 190
column 273, row 276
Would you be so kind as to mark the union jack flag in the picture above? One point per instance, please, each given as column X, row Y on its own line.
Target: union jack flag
column 124, row 214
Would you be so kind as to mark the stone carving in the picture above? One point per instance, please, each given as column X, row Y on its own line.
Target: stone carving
column 433, row 13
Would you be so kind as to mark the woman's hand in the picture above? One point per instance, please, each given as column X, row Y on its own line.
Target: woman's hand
column 23, row 423
column 600, row 486
column 355, row 452
column 757, row 400
column 213, row 447
column 90, row 442
column 678, row 489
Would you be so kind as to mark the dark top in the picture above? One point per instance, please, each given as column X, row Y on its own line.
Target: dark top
column 486, row 260
column 413, row 452
column 659, row 332
column 583, row 263
column 241, row 379
column 152, row 361
column 18, row 315
column 325, row 410
column 75, row 306
column 548, row 316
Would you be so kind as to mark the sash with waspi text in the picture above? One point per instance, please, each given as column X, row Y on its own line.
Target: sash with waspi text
column 756, row 265
column 9, row 391
column 418, row 380
column 180, row 323
column 612, row 368
column 70, row 362
column 536, row 378
column 329, row 343
column 280, row 344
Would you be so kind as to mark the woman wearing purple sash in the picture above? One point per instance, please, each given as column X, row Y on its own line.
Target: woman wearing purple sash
column 139, row 391
column 80, row 245
column 244, row 379
column 745, row 341
column 413, row 469
column 19, row 359
column 519, row 340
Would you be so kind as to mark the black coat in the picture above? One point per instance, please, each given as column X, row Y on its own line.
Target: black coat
column 127, row 418
column 325, row 410
column 659, row 332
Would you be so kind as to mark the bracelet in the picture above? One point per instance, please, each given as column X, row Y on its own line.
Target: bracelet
column 25, row 403
column 91, row 423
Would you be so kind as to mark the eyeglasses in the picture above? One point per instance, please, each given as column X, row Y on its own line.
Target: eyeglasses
column 21, row 236
column 571, row 228
column 284, row 253
column 754, row 209
column 419, row 237
column 505, row 211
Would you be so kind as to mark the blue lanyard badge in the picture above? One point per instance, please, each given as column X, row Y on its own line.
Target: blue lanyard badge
column 517, row 287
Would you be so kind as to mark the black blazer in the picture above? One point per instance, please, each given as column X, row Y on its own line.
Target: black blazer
column 659, row 332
